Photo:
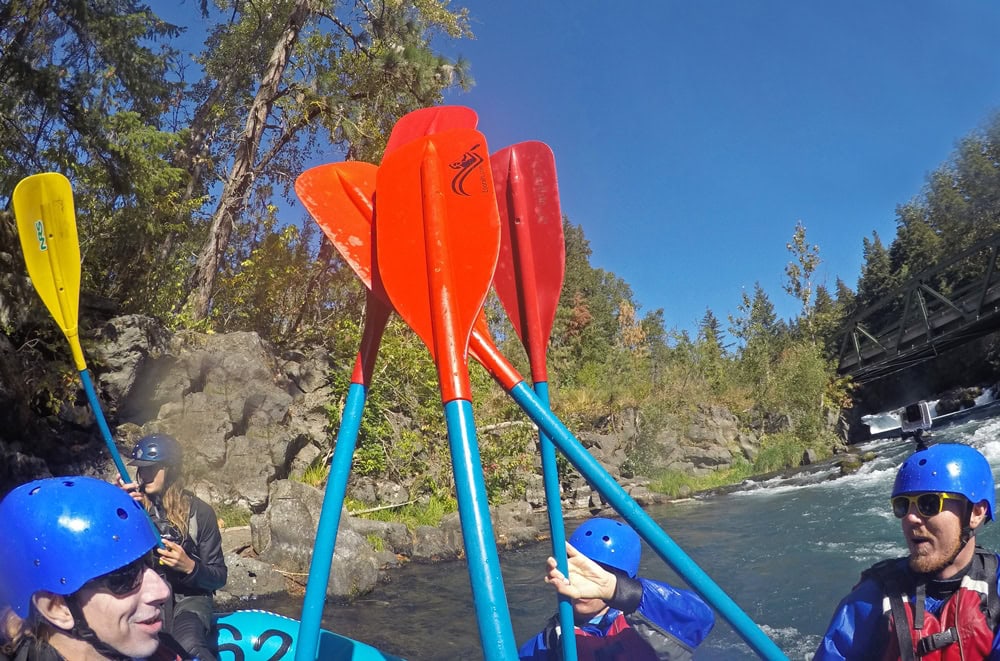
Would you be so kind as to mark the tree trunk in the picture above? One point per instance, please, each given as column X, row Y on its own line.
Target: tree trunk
column 201, row 283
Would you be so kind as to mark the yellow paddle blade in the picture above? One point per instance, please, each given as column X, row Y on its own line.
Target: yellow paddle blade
column 46, row 223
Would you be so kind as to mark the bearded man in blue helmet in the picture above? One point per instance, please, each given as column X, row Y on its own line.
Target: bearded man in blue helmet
column 940, row 602
column 618, row 615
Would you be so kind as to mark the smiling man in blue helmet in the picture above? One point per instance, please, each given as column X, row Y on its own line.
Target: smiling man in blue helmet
column 940, row 602
column 618, row 615
column 76, row 577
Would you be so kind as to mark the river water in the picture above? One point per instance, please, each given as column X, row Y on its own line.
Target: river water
column 786, row 550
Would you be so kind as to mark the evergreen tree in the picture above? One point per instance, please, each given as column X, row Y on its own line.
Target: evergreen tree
column 586, row 328
column 760, row 335
column 917, row 245
column 845, row 298
column 69, row 71
column 876, row 279
column 709, row 351
column 828, row 319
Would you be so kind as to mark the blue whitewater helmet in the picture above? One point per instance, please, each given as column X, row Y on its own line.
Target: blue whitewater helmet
column 609, row 542
column 61, row 532
column 157, row 449
column 951, row 468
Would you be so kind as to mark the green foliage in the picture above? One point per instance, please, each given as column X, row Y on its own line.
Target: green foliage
column 678, row 483
column 376, row 542
column 67, row 70
column 427, row 513
column 404, row 386
column 708, row 353
column 507, row 458
column 168, row 173
column 779, row 451
column 233, row 515
column 315, row 474
column 323, row 74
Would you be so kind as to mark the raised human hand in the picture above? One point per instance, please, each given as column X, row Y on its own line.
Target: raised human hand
column 587, row 579
column 132, row 488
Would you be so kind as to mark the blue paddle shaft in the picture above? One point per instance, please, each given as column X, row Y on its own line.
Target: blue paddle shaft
column 665, row 547
column 329, row 523
column 95, row 406
column 493, row 617
column 553, row 501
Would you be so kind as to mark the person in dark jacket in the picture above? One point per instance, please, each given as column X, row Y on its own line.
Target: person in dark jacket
column 940, row 602
column 76, row 576
column 192, row 558
column 618, row 615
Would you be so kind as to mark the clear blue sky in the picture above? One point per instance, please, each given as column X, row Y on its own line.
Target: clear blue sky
column 691, row 136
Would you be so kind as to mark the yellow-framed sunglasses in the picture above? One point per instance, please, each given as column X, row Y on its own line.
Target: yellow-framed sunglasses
column 928, row 504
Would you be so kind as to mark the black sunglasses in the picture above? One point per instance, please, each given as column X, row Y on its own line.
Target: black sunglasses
column 125, row 580
column 928, row 504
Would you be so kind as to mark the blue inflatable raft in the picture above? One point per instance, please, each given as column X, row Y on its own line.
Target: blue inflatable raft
column 254, row 635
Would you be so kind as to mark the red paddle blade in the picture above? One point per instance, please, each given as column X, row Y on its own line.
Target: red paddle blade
column 339, row 198
column 427, row 121
column 438, row 238
column 532, row 261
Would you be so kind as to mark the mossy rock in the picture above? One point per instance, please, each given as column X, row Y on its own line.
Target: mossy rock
column 850, row 464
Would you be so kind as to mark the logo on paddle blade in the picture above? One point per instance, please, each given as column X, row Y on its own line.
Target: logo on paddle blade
column 470, row 161
column 40, row 235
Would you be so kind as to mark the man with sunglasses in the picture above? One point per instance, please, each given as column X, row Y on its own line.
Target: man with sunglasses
column 939, row 602
column 76, row 576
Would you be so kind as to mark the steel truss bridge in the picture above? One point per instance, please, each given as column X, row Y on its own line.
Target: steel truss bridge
column 917, row 322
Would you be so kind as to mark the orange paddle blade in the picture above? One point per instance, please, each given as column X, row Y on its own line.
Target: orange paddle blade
column 339, row 198
column 438, row 237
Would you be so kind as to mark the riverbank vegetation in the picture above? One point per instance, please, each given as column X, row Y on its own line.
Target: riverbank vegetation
column 182, row 170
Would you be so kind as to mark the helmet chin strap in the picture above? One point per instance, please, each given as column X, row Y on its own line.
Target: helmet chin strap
column 967, row 531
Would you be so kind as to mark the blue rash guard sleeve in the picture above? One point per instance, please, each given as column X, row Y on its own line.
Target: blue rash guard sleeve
column 854, row 626
column 681, row 613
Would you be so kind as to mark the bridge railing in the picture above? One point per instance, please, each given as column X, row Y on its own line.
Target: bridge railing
column 938, row 308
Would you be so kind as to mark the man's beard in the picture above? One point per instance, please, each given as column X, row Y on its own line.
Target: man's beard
column 932, row 564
